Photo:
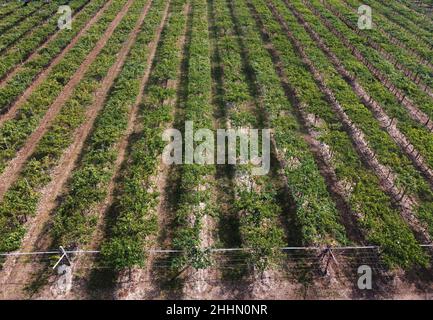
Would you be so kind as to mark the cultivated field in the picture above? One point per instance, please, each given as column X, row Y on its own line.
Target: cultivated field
column 89, row 209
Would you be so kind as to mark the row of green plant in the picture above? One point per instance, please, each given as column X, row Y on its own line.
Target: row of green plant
column 372, row 208
column 134, row 224
column 316, row 215
column 256, row 197
column 417, row 6
column 77, row 215
column 403, row 56
column 19, row 15
column 39, row 19
column 8, row 8
column 14, row 132
column 420, row 20
column 196, row 180
column 416, row 133
column 405, row 20
column 23, row 48
column 11, row 90
column 419, row 97
column 21, row 200
column 393, row 44
column 387, row 152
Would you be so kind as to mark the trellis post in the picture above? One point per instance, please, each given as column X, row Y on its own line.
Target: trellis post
column 64, row 255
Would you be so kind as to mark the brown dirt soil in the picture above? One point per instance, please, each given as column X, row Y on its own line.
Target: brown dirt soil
column 284, row 283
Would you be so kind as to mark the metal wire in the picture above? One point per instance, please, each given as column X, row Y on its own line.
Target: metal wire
column 214, row 250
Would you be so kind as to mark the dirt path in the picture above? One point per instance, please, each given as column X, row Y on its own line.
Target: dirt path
column 35, row 237
column 17, row 68
column 144, row 282
column 11, row 173
column 12, row 111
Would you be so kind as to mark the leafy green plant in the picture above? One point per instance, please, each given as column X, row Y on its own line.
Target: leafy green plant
column 14, row 132
column 19, row 15
column 22, row 198
column 396, row 77
column 316, row 214
column 378, row 219
column 415, row 132
column 21, row 50
column 196, row 182
column 25, row 28
column 257, row 207
column 135, row 221
column 402, row 56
